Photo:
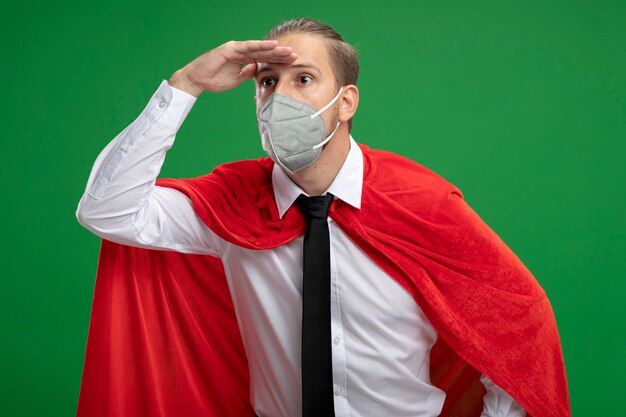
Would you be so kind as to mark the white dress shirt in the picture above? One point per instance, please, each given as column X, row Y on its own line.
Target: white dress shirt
column 381, row 338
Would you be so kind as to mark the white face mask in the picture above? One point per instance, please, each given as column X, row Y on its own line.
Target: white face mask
column 292, row 133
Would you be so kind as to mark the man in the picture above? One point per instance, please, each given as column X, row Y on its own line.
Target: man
column 381, row 325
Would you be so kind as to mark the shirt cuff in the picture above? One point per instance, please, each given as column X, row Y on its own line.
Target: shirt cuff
column 170, row 105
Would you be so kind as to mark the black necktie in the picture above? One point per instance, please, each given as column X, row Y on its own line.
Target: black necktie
column 317, row 365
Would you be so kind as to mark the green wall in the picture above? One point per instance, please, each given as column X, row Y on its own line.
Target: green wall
column 520, row 104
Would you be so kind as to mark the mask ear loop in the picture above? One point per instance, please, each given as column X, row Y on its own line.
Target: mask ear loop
column 320, row 111
column 328, row 138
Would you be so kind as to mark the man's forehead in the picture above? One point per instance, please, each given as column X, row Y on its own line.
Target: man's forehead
column 312, row 53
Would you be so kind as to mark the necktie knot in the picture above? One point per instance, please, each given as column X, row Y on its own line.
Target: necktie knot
column 315, row 207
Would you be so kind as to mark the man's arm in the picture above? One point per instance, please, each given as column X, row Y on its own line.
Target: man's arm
column 121, row 202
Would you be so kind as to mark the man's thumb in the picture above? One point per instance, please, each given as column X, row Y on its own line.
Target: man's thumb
column 247, row 72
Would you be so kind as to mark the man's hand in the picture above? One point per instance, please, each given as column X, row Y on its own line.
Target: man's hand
column 223, row 68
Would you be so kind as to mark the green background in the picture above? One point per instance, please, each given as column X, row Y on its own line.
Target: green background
column 520, row 104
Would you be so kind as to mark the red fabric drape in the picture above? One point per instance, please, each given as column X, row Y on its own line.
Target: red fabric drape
column 163, row 333
column 163, row 339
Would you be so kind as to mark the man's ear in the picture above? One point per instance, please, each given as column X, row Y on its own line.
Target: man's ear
column 349, row 102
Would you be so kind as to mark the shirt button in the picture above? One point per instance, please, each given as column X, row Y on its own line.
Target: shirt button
column 162, row 104
column 333, row 288
column 337, row 340
column 337, row 390
column 124, row 147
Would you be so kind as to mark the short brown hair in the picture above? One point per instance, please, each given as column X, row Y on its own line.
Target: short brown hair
column 344, row 59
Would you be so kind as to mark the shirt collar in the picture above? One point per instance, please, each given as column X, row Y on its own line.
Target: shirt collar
column 346, row 186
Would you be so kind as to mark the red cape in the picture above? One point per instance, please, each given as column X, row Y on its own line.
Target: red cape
column 164, row 339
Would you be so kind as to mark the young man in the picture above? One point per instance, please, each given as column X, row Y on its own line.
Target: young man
column 407, row 263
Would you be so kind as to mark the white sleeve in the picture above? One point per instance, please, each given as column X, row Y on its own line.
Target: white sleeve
column 497, row 403
column 121, row 202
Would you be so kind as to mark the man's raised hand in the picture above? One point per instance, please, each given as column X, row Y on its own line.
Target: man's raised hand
column 228, row 65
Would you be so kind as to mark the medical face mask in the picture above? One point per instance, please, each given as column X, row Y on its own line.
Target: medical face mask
column 292, row 132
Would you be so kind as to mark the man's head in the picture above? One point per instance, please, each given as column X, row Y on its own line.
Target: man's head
column 344, row 59
column 325, row 63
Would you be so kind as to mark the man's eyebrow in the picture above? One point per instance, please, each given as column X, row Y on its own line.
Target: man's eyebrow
column 303, row 65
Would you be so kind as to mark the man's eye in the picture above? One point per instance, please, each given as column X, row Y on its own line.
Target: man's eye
column 304, row 79
column 267, row 82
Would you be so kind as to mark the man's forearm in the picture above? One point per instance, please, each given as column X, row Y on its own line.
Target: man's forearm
column 122, row 178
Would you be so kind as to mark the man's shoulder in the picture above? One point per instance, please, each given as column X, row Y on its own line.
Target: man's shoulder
column 229, row 179
column 243, row 166
column 246, row 170
column 391, row 172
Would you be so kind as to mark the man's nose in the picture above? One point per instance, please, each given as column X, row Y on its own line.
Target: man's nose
column 283, row 88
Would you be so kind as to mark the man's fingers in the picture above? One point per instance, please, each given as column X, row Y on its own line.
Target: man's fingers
column 244, row 47
column 269, row 59
column 248, row 71
column 233, row 62
column 268, row 56
column 253, row 51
